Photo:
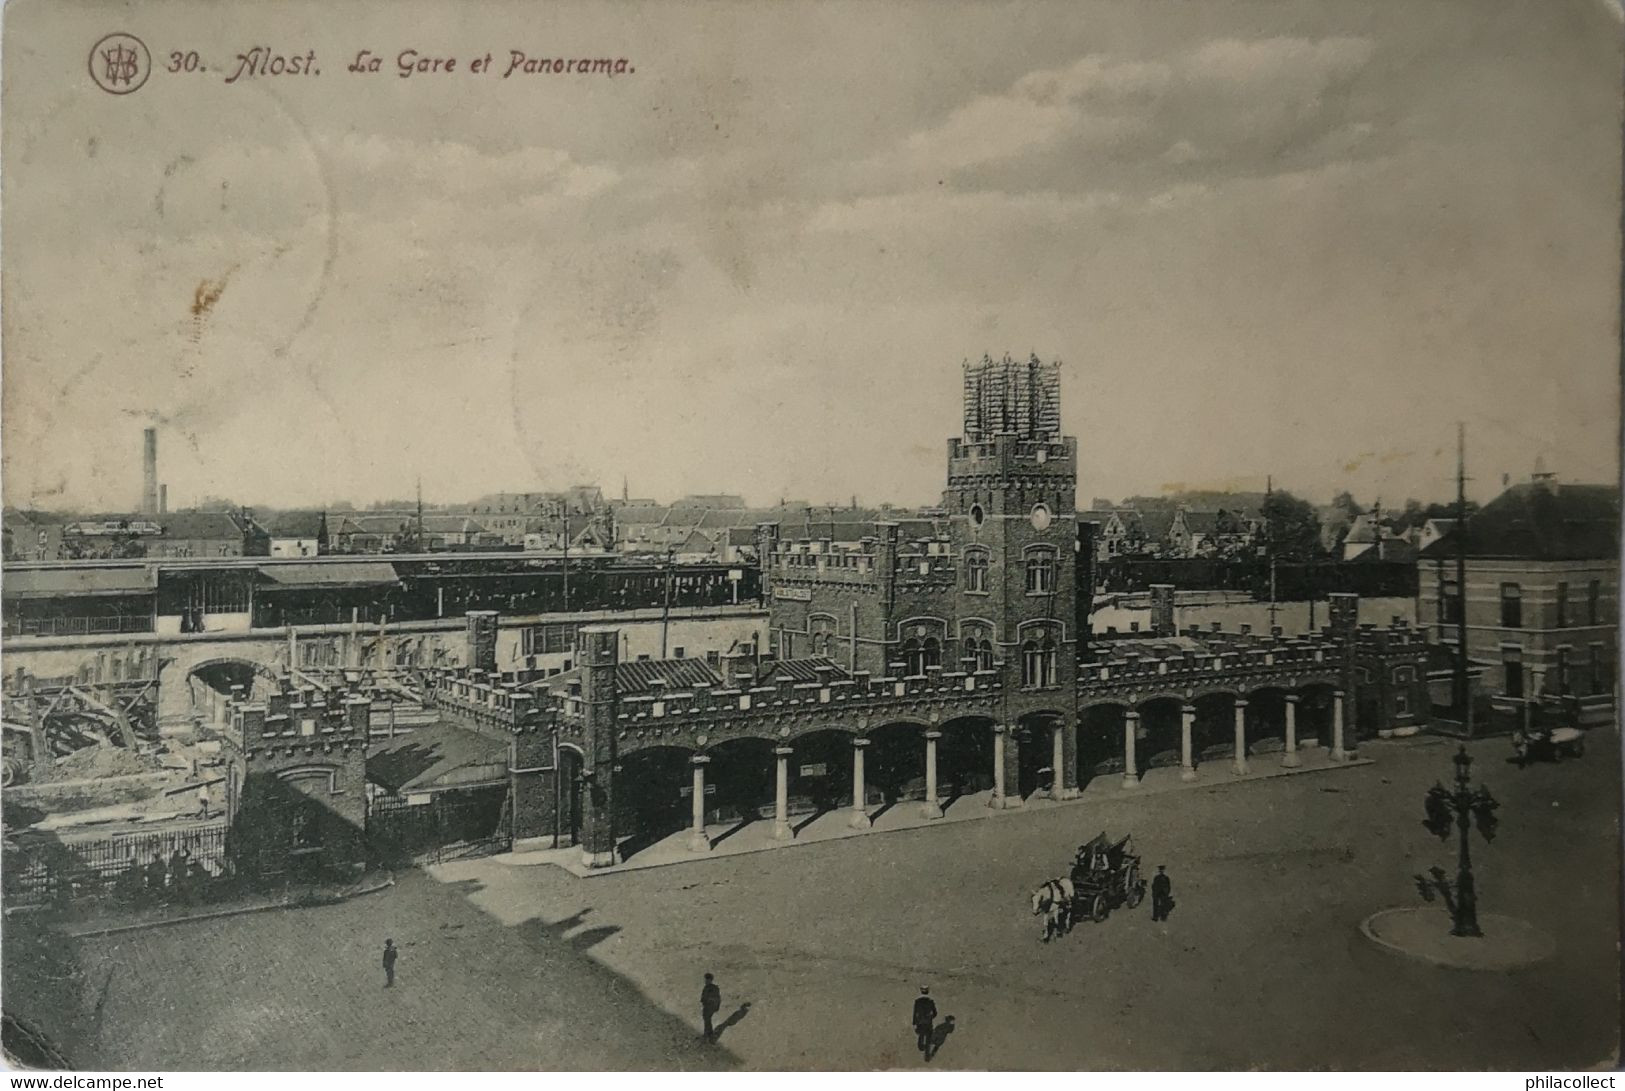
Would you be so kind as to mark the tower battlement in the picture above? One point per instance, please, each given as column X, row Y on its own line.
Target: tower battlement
column 1012, row 453
column 1012, row 397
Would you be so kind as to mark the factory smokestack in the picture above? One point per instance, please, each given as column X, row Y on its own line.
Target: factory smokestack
column 163, row 499
column 149, row 472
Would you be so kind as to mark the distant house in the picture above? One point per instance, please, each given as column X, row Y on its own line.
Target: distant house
column 370, row 532
column 104, row 537
column 1541, row 596
column 1193, row 533
column 740, row 546
column 198, row 534
column 696, row 545
column 297, row 534
column 1373, row 538
column 1150, row 533
column 454, row 531
column 31, row 535
column 586, row 533
column 1432, row 530
column 710, row 500
column 1113, row 534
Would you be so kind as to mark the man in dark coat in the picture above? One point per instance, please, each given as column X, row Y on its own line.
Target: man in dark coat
column 925, row 1020
column 391, row 953
column 710, row 1004
column 1162, row 894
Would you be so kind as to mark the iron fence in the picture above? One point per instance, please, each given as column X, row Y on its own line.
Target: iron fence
column 158, row 864
column 447, row 825
column 76, row 626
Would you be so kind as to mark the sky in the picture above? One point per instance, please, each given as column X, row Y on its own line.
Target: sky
column 1277, row 238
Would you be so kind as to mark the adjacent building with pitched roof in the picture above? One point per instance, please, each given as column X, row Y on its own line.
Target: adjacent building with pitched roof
column 1542, row 593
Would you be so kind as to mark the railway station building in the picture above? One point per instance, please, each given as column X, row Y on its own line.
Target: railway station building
column 933, row 658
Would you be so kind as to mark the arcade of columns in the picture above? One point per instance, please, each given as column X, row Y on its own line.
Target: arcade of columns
column 1064, row 784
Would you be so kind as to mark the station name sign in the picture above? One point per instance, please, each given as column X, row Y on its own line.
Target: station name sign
column 793, row 594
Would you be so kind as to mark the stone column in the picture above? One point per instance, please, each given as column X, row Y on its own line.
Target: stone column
column 1187, row 721
column 1057, row 762
column 860, row 814
column 1239, row 766
column 1069, row 759
column 1338, row 753
column 1290, row 759
column 697, row 841
column 1131, row 728
column 932, row 807
column 1009, row 744
column 781, row 795
column 998, row 766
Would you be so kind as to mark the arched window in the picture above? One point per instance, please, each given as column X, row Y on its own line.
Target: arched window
column 931, row 654
column 976, row 571
column 913, row 657
column 984, row 655
column 1038, row 662
column 1041, row 571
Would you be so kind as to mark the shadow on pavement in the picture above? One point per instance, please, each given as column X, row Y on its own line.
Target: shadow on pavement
column 735, row 1016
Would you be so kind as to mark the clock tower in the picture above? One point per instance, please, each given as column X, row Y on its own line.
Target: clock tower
column 1012, row 511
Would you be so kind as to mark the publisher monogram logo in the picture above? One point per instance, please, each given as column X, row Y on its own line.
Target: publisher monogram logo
column 120, row 63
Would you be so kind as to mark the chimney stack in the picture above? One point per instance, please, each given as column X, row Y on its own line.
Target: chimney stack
column 149, row 472
column 163, row 499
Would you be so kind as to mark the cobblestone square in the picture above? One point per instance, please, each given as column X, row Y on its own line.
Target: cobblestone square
column 1261, row 966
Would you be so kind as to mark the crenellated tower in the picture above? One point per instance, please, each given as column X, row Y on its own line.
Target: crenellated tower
column 1011, row 502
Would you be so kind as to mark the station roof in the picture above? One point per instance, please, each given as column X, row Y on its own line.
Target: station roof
column 37, row 583
column 293, row 577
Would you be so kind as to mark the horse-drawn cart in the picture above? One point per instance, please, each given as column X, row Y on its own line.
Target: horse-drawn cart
column 1105, row 876
column 1546, row 743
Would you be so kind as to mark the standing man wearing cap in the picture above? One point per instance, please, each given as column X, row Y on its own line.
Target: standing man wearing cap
column 710, row 1004
column 1162, row 894
column 925, row 1020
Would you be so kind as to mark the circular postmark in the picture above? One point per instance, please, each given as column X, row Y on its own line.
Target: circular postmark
column 120, row 63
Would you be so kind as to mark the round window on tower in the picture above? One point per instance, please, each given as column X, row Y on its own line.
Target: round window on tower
column 977, row 515
column 1040, row 517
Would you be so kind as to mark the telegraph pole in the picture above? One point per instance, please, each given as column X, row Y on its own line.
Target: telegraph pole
column 1463, row 693
column 1269, row 544
column 665, row 606
column 419, row 546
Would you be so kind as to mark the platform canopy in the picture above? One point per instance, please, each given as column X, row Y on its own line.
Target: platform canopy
column 46, row 583
column 328, row 575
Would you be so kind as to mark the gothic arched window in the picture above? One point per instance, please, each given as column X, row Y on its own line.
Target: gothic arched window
column 976, row 571
column 1038, row 667
column 1041, row 571
column 913, row 657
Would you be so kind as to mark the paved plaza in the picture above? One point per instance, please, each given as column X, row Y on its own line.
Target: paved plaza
column 820, row 950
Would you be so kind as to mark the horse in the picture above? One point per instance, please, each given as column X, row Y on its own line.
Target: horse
column 1053, row 901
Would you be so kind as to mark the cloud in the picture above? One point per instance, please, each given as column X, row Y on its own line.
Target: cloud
column 1115, row 122
column 1277, row 66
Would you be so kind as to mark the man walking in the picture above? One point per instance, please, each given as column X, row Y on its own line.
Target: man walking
column 710, row 1004
column 925, row 1020
column 390, row 955
column 1162, row 894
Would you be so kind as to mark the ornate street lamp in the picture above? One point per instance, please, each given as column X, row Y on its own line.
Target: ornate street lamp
column 1459, row 808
